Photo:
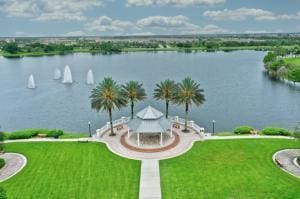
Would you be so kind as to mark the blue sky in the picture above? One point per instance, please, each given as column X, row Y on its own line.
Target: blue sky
column 146, row 17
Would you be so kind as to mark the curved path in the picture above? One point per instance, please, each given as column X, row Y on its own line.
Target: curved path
column 285, row 160
column 14, row 163
column 185, row 143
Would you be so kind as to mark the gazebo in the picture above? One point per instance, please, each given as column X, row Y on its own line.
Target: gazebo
column 149, row 121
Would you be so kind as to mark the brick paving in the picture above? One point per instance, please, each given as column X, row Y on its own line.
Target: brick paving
column 152, row 150
column 13, row 164
column 285, row 160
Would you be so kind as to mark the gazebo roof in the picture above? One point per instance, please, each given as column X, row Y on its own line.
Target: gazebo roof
column 149, row 113
column 149, row 120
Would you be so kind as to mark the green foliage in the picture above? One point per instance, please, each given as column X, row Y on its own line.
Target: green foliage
column 134, row 92
column 276, row 65
column 188, row 92
column 2, row 163
column 294, row 74
column 2, row 137
column 270, row 57
column 11, row 47
column 243, row 130
column 29, row 133
column 108, row 96
column 297, row 132
column 275, row 131
column 165, row 91
column 2, row 193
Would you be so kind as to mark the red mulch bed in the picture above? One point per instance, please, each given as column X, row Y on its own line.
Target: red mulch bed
column 155, row 150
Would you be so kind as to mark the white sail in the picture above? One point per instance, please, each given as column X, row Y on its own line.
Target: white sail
column 90, row 77
column 31, row 82
column 67, row 76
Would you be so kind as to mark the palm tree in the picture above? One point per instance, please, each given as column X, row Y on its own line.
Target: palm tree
column 107, row 96
column 134, row 92
column 164, row 91
column 188, row 92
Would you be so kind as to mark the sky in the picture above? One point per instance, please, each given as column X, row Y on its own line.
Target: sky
column 146, row 17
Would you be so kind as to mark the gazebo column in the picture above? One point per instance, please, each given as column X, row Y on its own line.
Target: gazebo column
column 128, row 132
column 161, row 138
column 171, row 133
column 138, row 138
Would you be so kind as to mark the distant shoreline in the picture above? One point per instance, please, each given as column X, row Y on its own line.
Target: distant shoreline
column 200, row 49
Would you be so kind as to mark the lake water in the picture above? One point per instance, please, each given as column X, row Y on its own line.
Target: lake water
column 236, row 89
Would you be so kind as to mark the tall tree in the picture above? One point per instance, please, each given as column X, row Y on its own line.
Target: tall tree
column 188, row 92
column 164, row 91
column 108, row 96
column 134, row 92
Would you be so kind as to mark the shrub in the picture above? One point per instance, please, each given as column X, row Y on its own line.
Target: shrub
column 55, row 133
column 243, row 130
column 2, row 163
column 275, row 131
column 2, row 136
column 29, row 133
column 2, row 193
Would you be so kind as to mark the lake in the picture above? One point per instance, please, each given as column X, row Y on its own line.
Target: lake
column 237, row 90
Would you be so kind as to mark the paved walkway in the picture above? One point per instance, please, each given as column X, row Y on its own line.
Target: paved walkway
column 14, row 163
column 286, row 160
column 150, row 180
column 185, row 143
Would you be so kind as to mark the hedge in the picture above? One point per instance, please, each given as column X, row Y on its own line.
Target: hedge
column 2, row 163
column 275, row 131
column 243, row 130
column 29, row 133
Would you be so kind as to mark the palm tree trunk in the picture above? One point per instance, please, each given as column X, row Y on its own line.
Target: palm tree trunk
column 186, row 117
column 132, row 106
column 167, row 109
column 111, row 124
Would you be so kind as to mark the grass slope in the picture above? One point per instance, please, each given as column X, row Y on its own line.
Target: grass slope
column 72, row 170
column 229, row 169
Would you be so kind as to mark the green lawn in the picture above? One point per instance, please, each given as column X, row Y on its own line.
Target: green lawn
column 72, row 170
column 74, row 135
column 293, row 61
column 229, row 169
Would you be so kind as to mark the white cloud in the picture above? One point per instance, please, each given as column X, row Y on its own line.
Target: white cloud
column 246, row 13
column 256, row 31
column 177, row 24
column 106, row 24
column 142, row 33
column 149, row 26
column 68, row 10
column 77, row 33
column 174, row 2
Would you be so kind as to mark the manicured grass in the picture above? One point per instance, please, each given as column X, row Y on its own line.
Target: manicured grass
column 225, row 134
column 293, row 61
column 72, row 170
column 229, row 169
column 73, row 135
